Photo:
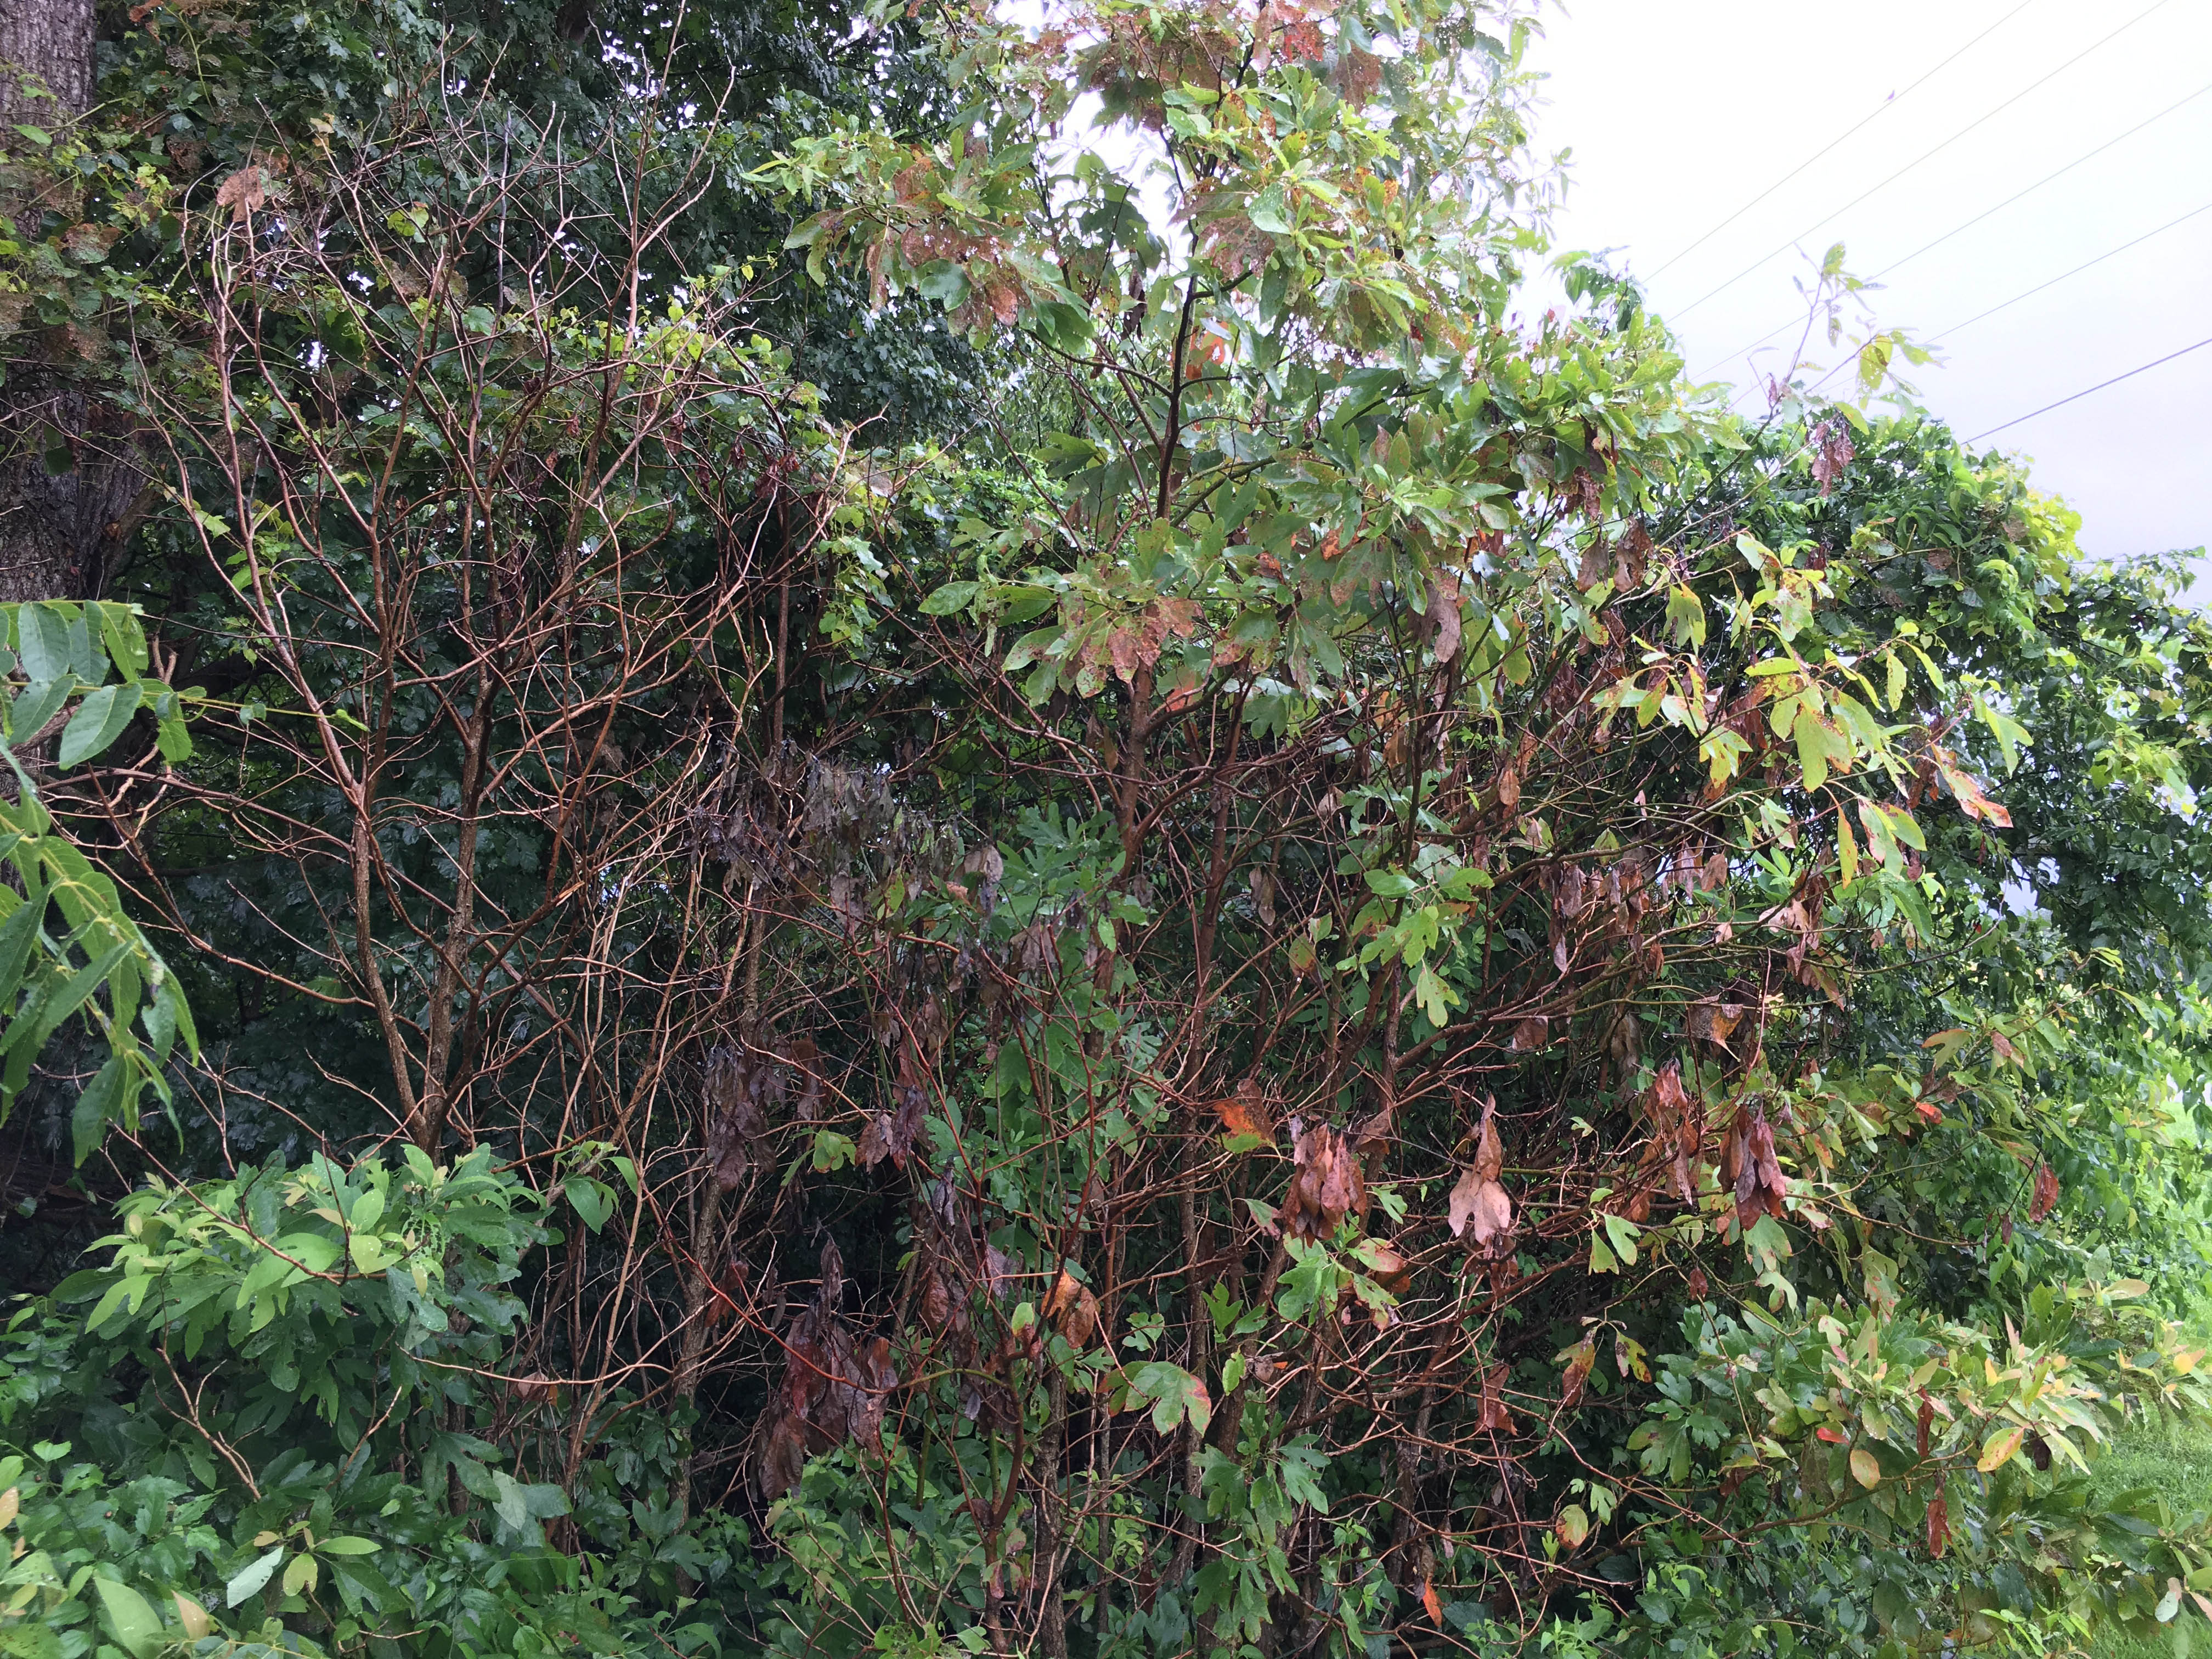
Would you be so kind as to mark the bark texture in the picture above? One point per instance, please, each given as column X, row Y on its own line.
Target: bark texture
column 69, row 472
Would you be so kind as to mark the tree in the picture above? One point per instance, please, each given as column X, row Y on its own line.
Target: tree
column 1343, row 977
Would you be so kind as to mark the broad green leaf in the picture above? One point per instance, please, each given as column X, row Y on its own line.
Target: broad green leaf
column 952, row 598
column 250, row 1580
column 130, row 1619
column 98, row 722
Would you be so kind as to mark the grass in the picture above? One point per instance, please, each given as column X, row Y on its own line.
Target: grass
column 2178, row 1462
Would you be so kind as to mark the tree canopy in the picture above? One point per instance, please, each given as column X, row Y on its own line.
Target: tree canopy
column 883, row 829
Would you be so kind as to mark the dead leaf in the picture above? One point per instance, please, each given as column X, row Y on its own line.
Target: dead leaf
column 1074, row 1309
column 1328, row 1185
column 1580, row 1359
column 1443, row 613
column 1428, row 1602
column 2045, row 1195
column 1245, row 1112
column 1489, row 1151
column 1939, row 1525
column 245, row 192
column 1495, row 1418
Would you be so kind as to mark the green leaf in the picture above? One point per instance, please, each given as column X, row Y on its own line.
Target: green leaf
column 134, row 1624
column 98, row 722
column 1175, row 1393
column 348, row 1547
column 590, row 1200
column 249, row 1582
column 1270, row 210
column 37, row 703
column 42, row 633
column 97, row 1106
column 1621, row 1233
column 952, row 598
column 518, row 1505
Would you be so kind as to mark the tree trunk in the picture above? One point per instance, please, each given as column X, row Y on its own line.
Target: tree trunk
column 70, row 474
column 47, row 41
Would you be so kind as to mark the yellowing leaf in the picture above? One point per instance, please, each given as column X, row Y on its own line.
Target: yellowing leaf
column 1573, row 1525
column 1864, row 1469
column 1998, row 1448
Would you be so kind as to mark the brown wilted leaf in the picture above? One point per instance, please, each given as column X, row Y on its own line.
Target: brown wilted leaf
column 1759, row 1182
column 2045, row 1195
column 1580, row 1359
column 1489, row 1151
column 1925, row 1422
column 245, row 192
column 1245, row 1112
column 1531, row 1034
column 782, row 1457
column 1429, row 1602
column 1494, row 1418
column 1711, row 1021
column 1444, row 614
column 1074, row 1309
column 1481, row 1204
column 1328, row 1185
column 1939, row 1525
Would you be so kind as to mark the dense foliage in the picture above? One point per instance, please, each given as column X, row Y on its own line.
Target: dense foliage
column 904, row 842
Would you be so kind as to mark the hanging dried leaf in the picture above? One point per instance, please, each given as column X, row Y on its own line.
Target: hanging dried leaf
column 1580, row 1359
column 1939, row 1525
column 1489, row 1151
column 1444, row 614
column 2046, row 1196
column 1925, row 1422
column 1531, row 1034
column 1481, row 1204
column 1074, row 1309
column 1710, row 1020
column 1245, row 1112
column 1328, row 1185
column 1494, row 1418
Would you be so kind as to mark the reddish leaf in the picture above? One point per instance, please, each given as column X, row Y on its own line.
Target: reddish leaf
column 1939, row 1525
column 1245, row 1112
column 2045, row 1194
column 1429, row 1600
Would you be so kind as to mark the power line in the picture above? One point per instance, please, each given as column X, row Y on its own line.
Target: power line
column 1895, row 265
column 2086, row 391
column 1684, row 311
column 1878, row 110
column 1942, row 335
column 2107, row 254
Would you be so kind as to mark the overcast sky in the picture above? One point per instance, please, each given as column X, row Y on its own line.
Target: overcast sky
column 1681, row 111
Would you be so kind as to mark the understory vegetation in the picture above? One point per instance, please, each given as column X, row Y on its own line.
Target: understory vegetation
column 885, row 830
